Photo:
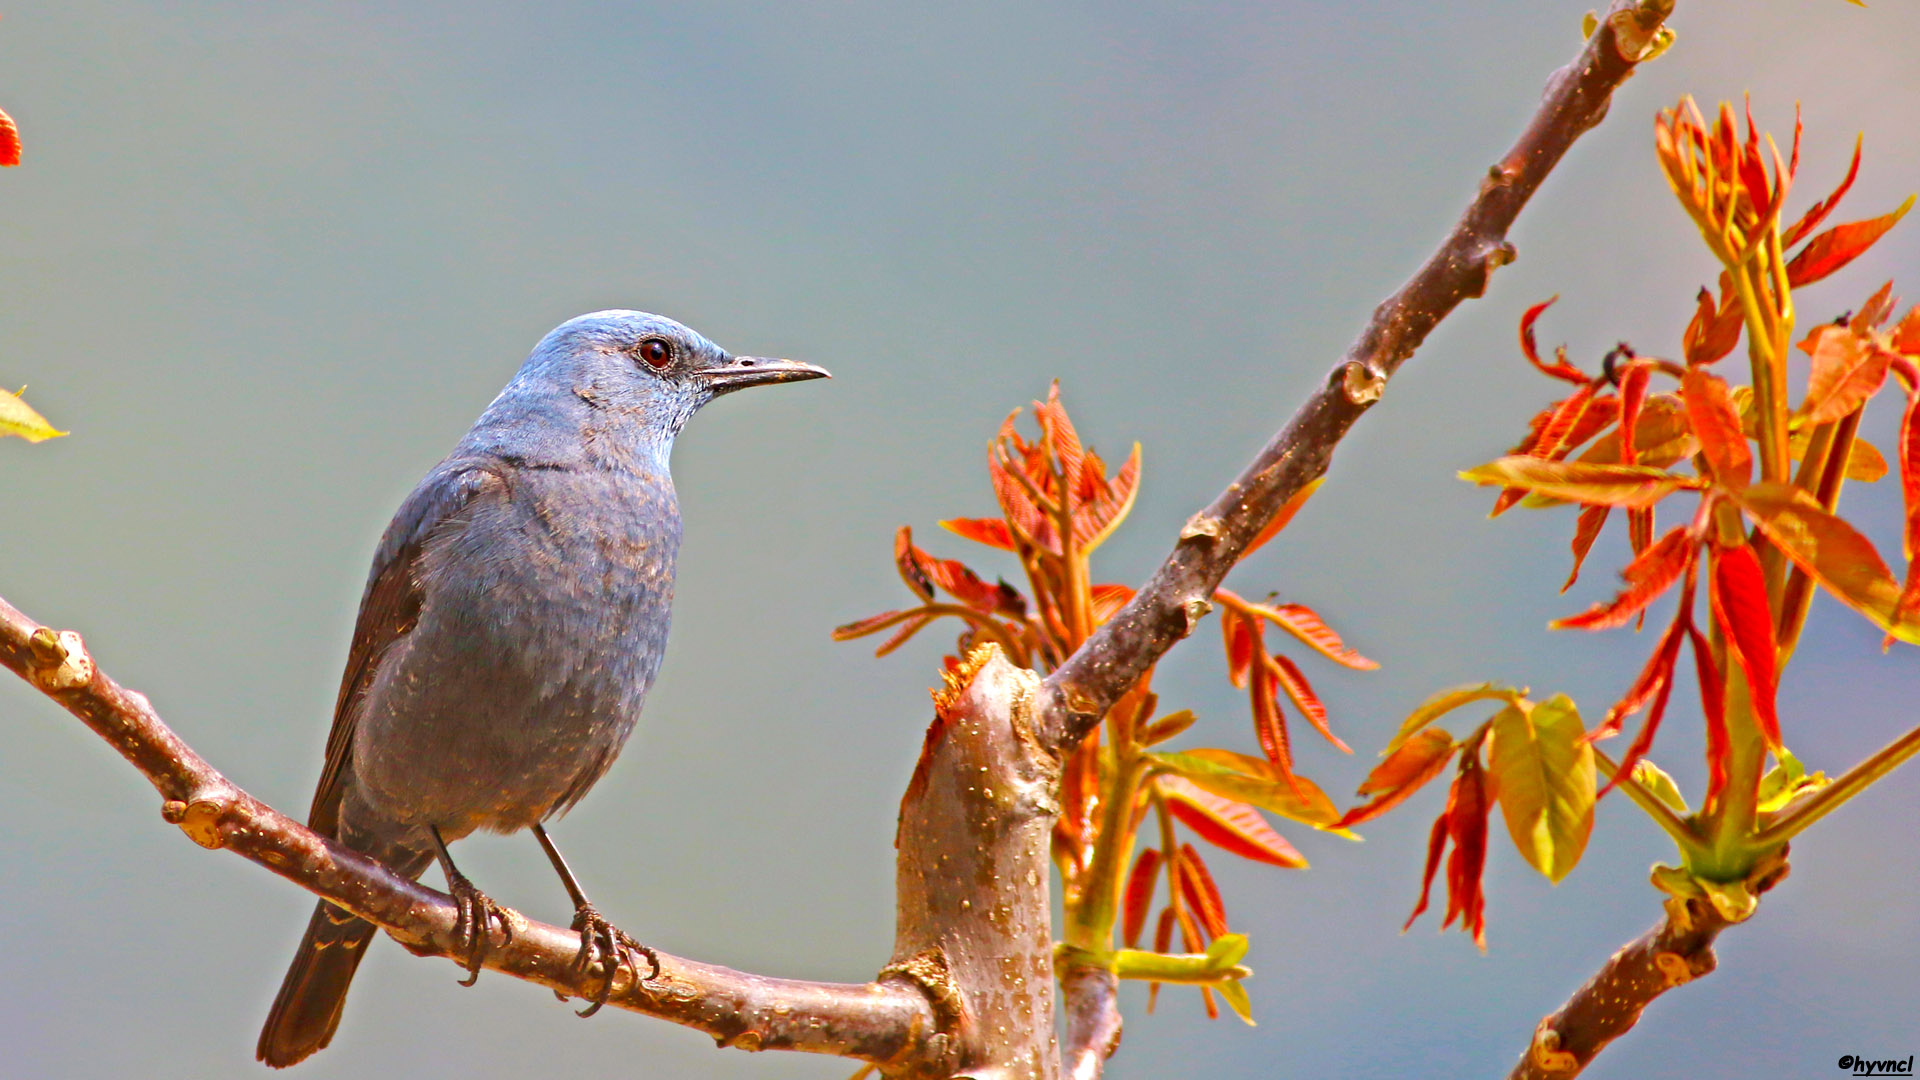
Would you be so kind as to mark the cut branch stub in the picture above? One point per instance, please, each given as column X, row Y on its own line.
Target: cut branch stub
column 974, row 920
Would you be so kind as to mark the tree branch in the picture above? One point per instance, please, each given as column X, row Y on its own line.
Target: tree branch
column 890, row 1021
column 1674, row 953
column 1081, row 690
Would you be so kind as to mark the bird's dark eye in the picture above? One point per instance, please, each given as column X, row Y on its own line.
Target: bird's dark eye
column 656, row 353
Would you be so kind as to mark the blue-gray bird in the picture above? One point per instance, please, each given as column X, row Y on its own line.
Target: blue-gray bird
column 514, row 618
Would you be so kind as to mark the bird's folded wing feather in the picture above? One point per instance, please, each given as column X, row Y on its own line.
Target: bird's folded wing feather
column 391, row 606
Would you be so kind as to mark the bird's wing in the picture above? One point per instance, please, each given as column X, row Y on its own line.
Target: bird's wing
column 390, row 607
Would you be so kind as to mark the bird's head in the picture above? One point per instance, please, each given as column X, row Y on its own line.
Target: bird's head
column 639, row 374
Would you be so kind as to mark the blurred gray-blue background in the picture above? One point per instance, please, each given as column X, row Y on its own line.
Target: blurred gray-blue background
column 267, row 261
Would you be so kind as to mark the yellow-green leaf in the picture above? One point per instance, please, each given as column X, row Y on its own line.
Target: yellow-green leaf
column 1544, row 772
column 1235, row 996
column 1658, row 783
column 1581, row 482
column 1832, row 551
column 1251, row 780
column 18, row 418
column 1446, row 701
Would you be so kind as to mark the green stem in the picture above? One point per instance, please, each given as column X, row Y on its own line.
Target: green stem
column 1090, row 922
column 1794, row 819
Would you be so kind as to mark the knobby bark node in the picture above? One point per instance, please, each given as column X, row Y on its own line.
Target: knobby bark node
column 1672, row 954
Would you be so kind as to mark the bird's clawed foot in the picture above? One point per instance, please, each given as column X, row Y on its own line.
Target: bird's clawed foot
column 604, row 947
column 473, row 929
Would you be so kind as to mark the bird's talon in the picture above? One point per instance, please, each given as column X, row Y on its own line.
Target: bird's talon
column 473, row 927
column 604, row 947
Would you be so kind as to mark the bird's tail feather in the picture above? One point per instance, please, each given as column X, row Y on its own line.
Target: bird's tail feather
column 307, row 1010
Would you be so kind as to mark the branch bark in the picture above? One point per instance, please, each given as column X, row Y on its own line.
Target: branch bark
column 890, row 1021
column 1180, row 592
column 1674, row 953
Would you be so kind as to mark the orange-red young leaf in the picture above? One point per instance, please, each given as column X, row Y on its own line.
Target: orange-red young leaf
column 1436, row 843
column 907, row 629
column 1162, row 941
column 1818, row 212
column 1649, row 575
column 1467, row 828
column 1283, row 516
column 1908, row 608
column 1404, row 772
column 1226, row 824
column 1056, row 430
column 1300, row 621
column 872, row 624
column 1201, row 894
column 1839, row 246
column 1906, row 336
column 1633, row 398
column 907, row 559
column 1269, row 723
column 1139, row 895
column 1551, row 439
column 1108, row 600
column 1832, row 551
column 1098, row 519
column 9, row 140
column 1715, row 329
column 1242, row 636
column 1301, row 693
column 1715, row 423
column 1657, row 672
column 1848, row 368
column 1560, row 368
column 992, row 532
column 1585, row 532
column 1740, row 608
column 1713, row 708
column 1874, row 313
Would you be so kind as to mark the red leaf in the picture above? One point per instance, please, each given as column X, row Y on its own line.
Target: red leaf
column 1300, row 621
column 9, row 140
column 1717, row 425
column 1436, row 843
column 1162, row 941
column 1057, row 431
column 1550, row 439
column 1657, row 672
column 1715, row 330
column 1096, row 521
column 1739, row 605
column 1232, row 826
column 872, row 624
column 1023, row 517
column 1200, row 893
column 1146, row 870
column 1818, row 212
column 992, row 532
column 1713, row 707
column 1848, row 368
column 900, row 636
column 1241, row 635
column 1108, row 600
column 1303, row 697
column 1839, row 246
column 1649, row 575
column 908, row 560
column 1908, row 607
column 1404, row 772
column 1269, row 723
column 1873, row 314
column 1906, row 336
column 1283, row 516
column 1559, row 369
column 1467, row 828
column 1592, row 520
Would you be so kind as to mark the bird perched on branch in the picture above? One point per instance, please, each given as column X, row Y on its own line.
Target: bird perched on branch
column 514, row 618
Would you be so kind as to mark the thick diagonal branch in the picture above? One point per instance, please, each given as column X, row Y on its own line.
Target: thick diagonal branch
column 1672, row 954
column 891, row 1020
column 1081, row 690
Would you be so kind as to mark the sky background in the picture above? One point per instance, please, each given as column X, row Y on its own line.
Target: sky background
column 268, row 261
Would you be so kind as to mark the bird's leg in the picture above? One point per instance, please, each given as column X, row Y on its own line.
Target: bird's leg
column 602, row 944
column 477, row 911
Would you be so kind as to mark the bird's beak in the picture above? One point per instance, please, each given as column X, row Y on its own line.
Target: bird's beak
column 740, row 372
